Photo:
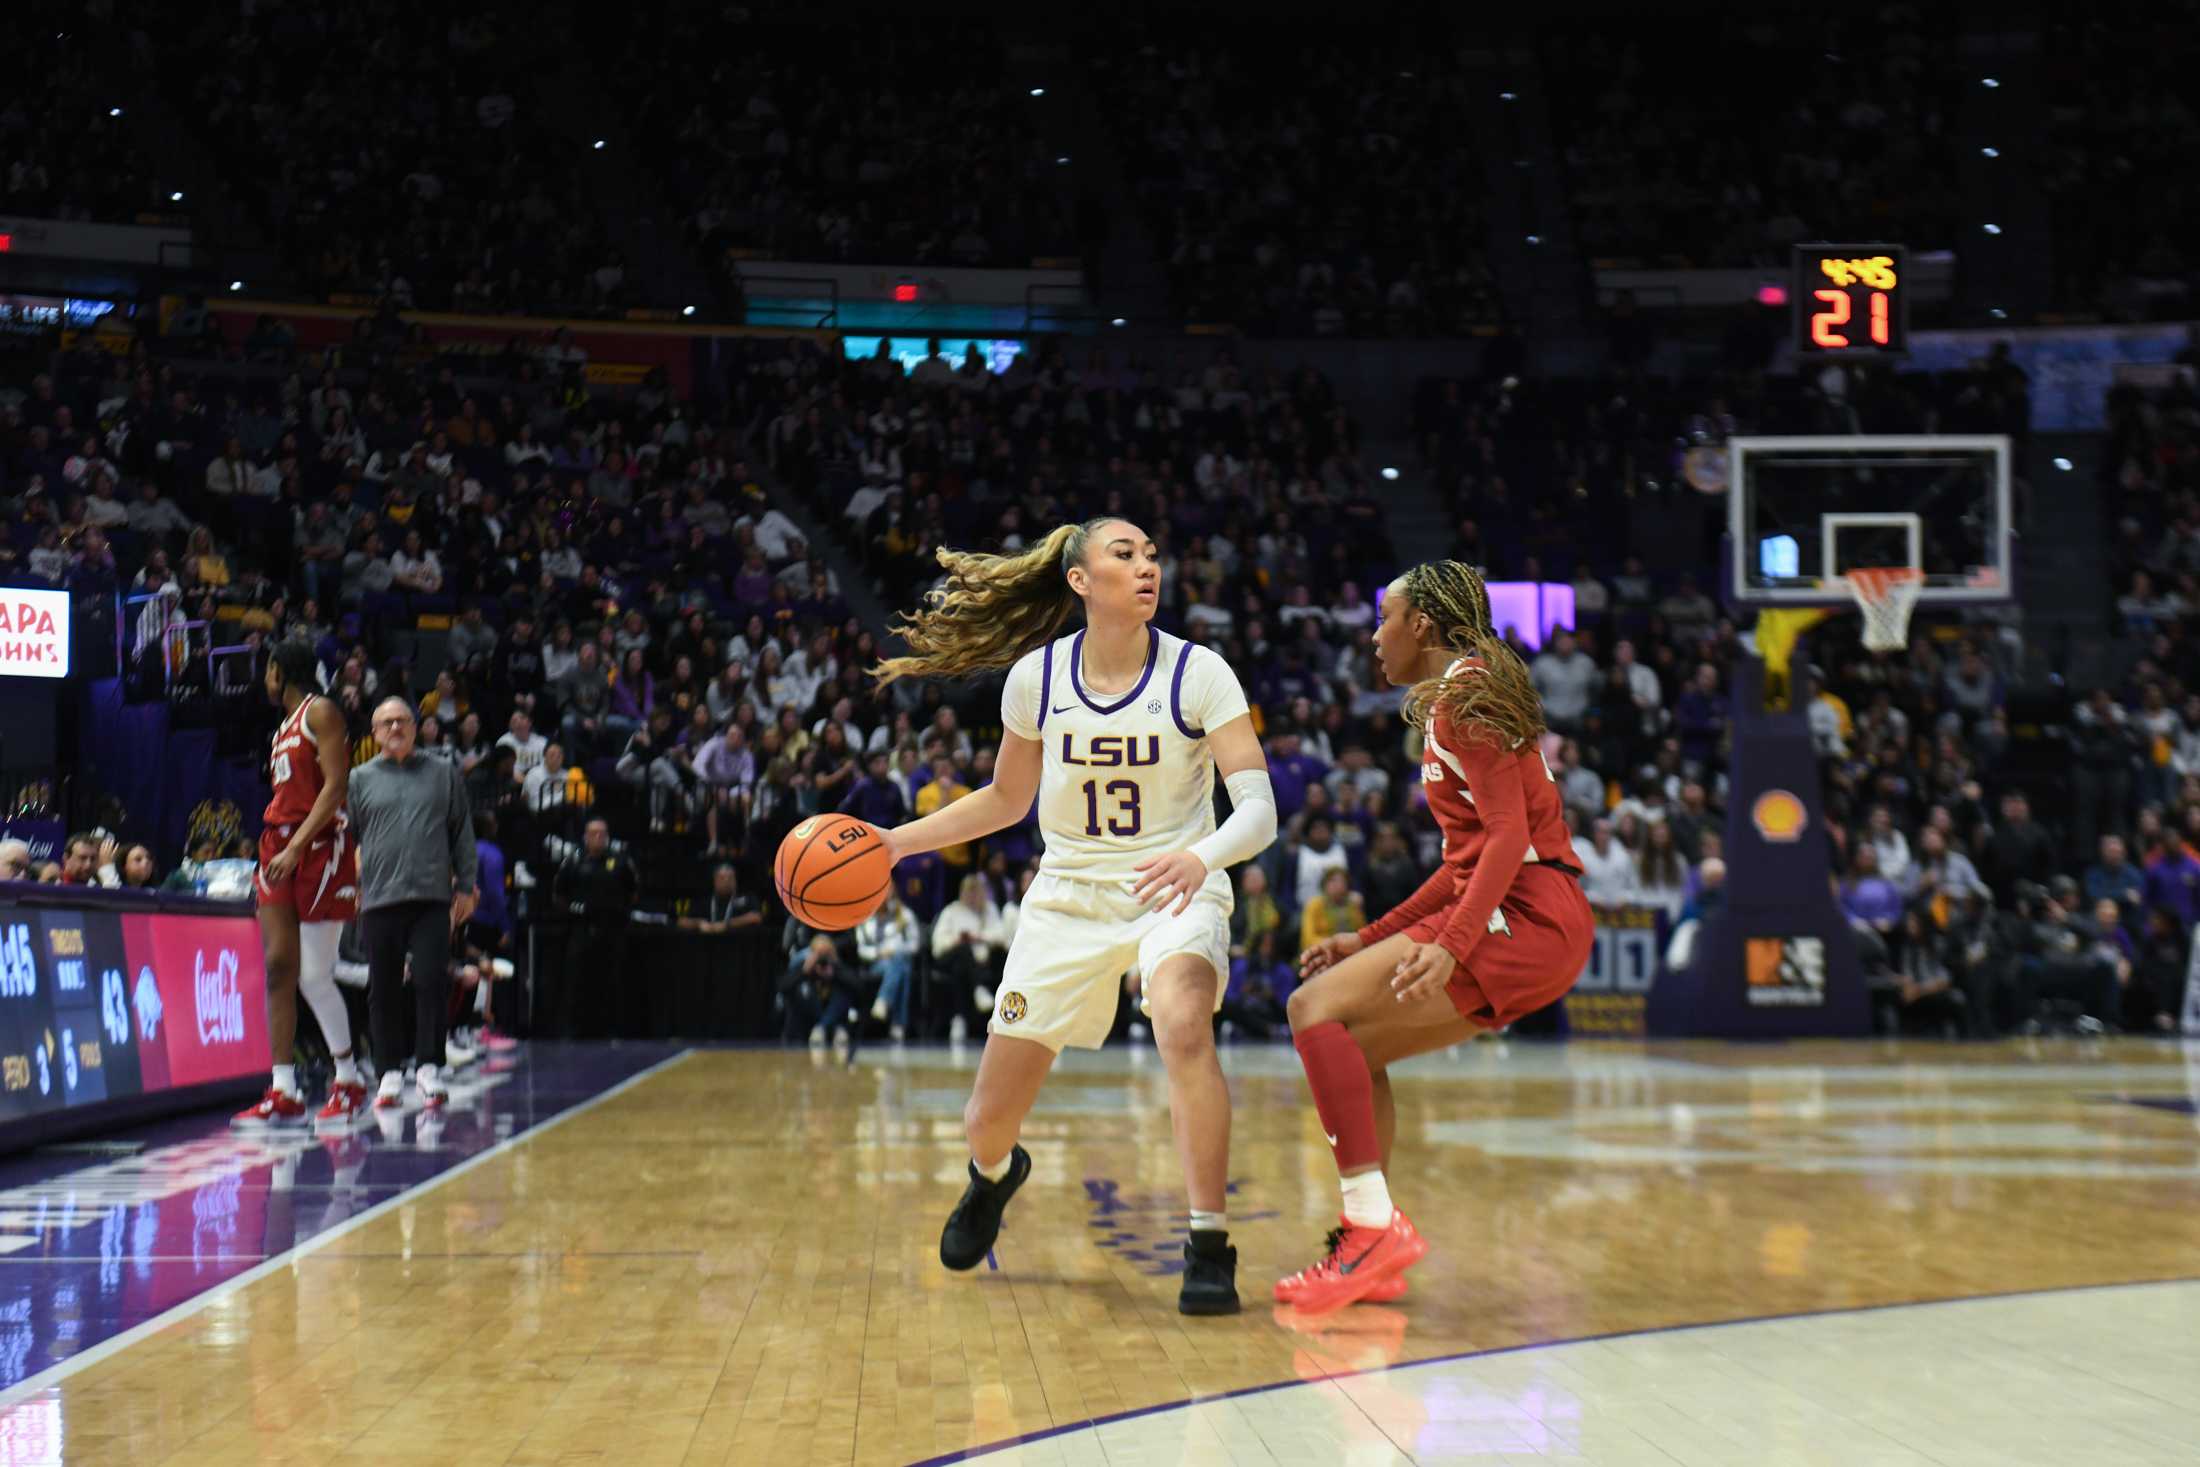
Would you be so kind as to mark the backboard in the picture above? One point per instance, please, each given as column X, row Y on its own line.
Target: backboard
column 1801, row 510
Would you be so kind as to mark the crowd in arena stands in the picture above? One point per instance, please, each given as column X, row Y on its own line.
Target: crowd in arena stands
column 1344, row 202
column 400, row 153
column 91, row 858
column 636, row 631
column 1840, row 135
column 66, row 145
column 2119, row 118
column 789, row 142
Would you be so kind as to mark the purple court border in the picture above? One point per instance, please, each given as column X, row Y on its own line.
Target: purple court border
column 221, row 1211
column 970, row 1454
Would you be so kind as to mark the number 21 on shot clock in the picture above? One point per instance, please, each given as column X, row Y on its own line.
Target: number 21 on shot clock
column 1851, row 299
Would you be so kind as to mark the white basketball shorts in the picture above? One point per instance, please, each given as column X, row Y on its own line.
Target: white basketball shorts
column 1076, row 939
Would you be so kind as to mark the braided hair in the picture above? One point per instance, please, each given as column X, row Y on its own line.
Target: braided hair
column 1491, row 696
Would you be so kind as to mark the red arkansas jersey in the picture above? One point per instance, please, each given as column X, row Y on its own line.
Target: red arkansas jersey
column 1473, row 788
column 1456, row 772
column 294, row 765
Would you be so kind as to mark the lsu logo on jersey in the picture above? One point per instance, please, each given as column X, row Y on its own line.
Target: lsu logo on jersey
column 1111, row 751
column 1012, row 1007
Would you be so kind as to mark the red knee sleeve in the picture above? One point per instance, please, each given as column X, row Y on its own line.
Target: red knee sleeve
column 1336, row 1072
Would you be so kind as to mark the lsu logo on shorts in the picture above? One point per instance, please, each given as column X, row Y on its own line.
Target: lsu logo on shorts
column 1011, row 1007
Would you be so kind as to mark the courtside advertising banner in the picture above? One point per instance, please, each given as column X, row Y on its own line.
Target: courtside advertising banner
column 100, row 1005
column 34, row 633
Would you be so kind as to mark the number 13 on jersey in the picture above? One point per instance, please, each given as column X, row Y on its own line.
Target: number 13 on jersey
column 1121, row 796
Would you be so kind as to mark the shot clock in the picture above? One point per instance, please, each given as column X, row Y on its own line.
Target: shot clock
column 1851, row 300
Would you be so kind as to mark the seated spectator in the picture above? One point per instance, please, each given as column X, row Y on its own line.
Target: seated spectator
column 1390, row 875
column 1867, row 896
column 2114, row 878
column 968, row 951
column 1313, row 856
column 1921, row 989
column 80, row 861
column 1607, row 868
column 137, row 871
column 1337, row 908
column 1941, row 874
column 887, row 943
column 1255, row 912
column 15, row 860
column 1889, row 846
column 1566, row 678
column 727, row 908
column 1661, row 876
column 1261, row 983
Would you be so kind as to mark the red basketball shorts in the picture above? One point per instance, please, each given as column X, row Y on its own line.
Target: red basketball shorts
column 325, row 885
column 1530, row 958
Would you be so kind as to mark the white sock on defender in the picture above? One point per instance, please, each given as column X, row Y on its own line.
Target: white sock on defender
column 1367, row 1200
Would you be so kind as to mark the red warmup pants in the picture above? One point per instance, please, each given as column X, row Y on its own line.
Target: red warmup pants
column 1531, row 959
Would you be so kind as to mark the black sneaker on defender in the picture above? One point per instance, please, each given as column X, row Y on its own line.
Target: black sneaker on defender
column 976, row 1220
column 1210, row 1276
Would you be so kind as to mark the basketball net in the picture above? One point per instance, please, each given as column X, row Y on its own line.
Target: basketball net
column 1886, row 595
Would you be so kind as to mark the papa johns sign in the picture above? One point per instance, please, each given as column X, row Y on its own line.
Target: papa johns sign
column 34, row 633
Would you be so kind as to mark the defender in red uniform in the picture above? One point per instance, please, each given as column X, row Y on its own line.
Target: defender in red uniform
column 1499, row 931
column 308, row 888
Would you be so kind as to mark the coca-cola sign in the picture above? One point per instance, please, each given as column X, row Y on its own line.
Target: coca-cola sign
column 207, row 1015
column 220, row 1003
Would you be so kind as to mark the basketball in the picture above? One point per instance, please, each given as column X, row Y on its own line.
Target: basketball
column 832, row 871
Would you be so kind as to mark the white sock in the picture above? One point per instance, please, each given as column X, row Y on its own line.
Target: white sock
column 1367, row 1201
column 1210, row 1222
column 424, row 1076
column 286, row 1079
column 999, row 1169
column 347, row 1069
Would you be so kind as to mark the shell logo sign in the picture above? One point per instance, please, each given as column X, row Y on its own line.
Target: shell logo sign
column 1779, row 817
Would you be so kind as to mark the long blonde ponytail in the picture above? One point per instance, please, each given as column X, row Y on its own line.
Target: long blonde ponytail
column 1493, row 697
column 993, row 609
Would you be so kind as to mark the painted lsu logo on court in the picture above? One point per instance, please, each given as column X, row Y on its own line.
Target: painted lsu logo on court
column 220, row 1002
column 1779, row 817
column 1012, row 1006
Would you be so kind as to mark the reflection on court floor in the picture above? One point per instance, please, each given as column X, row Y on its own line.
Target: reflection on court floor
column 1691, row 1253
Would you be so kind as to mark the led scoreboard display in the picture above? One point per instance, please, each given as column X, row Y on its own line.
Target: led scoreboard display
column 1851, row 300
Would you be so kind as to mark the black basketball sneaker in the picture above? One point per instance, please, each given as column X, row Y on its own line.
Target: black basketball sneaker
column 976, row 1220
column 1210, row 1276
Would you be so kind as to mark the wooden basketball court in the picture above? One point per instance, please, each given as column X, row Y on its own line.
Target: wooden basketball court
column 730, row 1258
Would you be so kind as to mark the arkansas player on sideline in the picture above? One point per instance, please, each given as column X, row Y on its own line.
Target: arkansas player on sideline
column 1500, row 930
column 308, row 888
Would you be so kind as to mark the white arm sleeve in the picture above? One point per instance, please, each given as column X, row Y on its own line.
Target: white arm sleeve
column 1251, row 826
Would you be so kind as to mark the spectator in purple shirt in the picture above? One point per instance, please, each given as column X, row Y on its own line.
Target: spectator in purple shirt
column 752, row 584
column 1869, row 897
column 876, row 797
column 2173, row 880
column 1290, row 772
column 1699, row 716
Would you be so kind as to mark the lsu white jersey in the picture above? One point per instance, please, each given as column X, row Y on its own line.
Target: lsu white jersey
column 1127, row 775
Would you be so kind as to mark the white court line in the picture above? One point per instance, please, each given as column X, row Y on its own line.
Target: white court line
column 54, row 1374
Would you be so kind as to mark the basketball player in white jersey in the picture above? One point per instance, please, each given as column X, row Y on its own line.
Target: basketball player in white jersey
column 1118, row 731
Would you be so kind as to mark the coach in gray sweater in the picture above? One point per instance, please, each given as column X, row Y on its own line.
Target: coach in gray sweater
column 417, row 864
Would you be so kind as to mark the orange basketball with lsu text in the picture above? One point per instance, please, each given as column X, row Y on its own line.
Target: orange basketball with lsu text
column 832, row 871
